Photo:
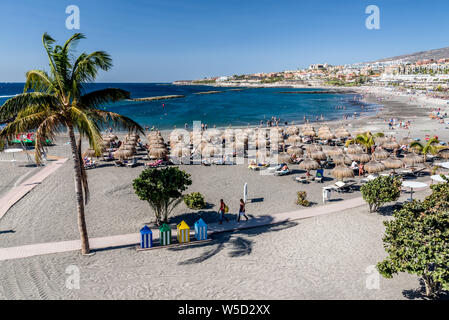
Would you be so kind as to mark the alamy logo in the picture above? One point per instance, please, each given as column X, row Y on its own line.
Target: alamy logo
column 73, row 20
column 372, row 22
column 73, row 280
column 373, row 278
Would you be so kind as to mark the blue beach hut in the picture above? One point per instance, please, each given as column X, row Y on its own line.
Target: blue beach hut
column 146, row 238
column 200, row 230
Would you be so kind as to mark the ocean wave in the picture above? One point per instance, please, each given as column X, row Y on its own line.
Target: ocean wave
column 8, row 96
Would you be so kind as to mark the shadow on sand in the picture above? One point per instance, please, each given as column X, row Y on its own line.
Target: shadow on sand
column 419, row 293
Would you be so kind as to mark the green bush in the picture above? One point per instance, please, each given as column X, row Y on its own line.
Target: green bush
column 162, row 189
column 416, row 241
column 302, row 195
column 194, row 200
column 2, row 144
column 381, row 190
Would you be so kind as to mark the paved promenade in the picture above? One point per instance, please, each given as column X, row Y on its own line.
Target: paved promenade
column 134, row 238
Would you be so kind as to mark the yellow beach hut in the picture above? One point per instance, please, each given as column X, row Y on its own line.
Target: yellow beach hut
column 183, row 232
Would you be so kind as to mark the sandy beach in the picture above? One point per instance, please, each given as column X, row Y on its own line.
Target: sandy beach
column 318, row 258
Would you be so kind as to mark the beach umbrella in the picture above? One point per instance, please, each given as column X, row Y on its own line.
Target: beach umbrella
column 354, row 148
column 309, row 133
column 157, row 153
column 444, row 154
column 380, row 154
column 390, row 144
column 89, row 153
column 323, row 128
column 341, row 171
column 412, row 159
column 313, row 147
column 318, row 155
column 380, row 140
column 406, row 141
column 342, row 134
column 292, row 130
column 341, row 159
column 294, row 150
column 392, row 163
column 210, row 150
column 374, row 166
column 326, row 135
column 119, row 154
column 309, row 164
column 294, row 140
column 284, row 157
column 361, row 157
column 333, row 151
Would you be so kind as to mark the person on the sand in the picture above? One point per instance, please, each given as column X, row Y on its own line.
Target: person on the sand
column 222, row 211
column 242, row 211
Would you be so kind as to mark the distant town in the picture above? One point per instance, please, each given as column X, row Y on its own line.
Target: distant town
column 429, row 75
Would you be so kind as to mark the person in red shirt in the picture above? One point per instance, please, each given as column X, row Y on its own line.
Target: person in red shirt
column 222, row 211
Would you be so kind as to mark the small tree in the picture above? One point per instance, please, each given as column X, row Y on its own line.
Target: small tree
column 162, row 188
column 381, row 190
column 417, row 241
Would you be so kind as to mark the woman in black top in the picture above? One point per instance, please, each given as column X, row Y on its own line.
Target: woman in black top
column 242, row 210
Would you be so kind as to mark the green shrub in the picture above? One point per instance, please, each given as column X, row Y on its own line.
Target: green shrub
column 194, row 200
column 302, row 195
column 2, row 144
column 381, row 190
column 416, row 241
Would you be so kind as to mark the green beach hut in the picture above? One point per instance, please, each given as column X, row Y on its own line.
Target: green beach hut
column 165, row 234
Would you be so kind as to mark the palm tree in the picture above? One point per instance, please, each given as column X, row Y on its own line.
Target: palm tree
column 365, row 139
column 430, row 147
column 56, row 100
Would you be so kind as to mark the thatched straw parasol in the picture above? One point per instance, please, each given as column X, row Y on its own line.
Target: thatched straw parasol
column 158, row 153
column 390, row 144
column 294, row 140
column 444, row 154
column 380, row 140
column 406, row 141
column 393, row 163
column 380, row 154
column 313, row 147
column 412, row 159
column 374, row 166
column 342, row 134
column 292, row 130
column 361, row 157
column 89, row 153
column 333, row 151
column 210, row 150
column 309, row 164
column 318, row 155
column 340, row 172
column 284, row 157
column 324, row 128
column 341, row 159
column 354, row 148
column 295, row 151
column 308, row 132
column 326, row 135
column 119, row 154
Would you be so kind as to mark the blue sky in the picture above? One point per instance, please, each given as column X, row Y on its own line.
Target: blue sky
column 166, row 40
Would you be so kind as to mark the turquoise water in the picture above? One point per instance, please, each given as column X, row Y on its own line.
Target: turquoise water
column 237, row 108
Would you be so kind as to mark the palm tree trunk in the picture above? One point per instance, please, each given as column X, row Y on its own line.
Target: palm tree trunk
column 79, row 194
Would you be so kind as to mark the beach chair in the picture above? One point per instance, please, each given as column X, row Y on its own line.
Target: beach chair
column 155, row 164
column 108, row 157
column 119, row 163
column 341, row 186
column 89, row 164
column 281, row 172
column 371, row 177
column 301, row 179
column 319, row 175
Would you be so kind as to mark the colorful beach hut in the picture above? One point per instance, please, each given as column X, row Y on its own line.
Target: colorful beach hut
column 165, row 234
column 183, row 232
column 200, row 230
column 146, row 238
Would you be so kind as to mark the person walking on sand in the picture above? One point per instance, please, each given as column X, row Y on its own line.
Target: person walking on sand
column 242, row 211
column 222, row 211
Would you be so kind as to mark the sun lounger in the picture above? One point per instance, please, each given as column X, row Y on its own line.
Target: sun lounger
column 301, row 179
column 341, row 186
column 418, row 172
column 281, row 172
column 155, row 164
column 119, row 163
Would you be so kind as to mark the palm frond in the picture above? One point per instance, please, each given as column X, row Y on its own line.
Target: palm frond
column 115, row 120
column 97, row 98
column 85, row 68
column 38, row 80
column 87, row 128
column 14, row 105
column 47, row 129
